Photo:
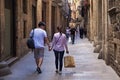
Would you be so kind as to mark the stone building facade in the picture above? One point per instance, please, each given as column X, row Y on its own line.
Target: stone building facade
column 104, row 30
column 18, row 17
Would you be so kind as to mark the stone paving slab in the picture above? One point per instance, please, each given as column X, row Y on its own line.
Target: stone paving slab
column 88, row 67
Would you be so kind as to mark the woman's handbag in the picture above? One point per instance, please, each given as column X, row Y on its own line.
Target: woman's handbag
column 69, row 61
column 30, row 42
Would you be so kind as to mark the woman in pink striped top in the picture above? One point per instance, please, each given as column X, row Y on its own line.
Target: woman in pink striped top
column 59, row 44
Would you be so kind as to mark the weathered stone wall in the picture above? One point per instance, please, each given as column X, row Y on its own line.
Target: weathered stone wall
column 107, row 30
column 114, row 35
column 20, row 17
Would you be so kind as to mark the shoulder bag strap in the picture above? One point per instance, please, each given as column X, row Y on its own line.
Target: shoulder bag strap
column 33, row 33
column 57, row 41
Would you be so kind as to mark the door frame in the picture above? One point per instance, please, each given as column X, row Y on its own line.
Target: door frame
column 12, row 29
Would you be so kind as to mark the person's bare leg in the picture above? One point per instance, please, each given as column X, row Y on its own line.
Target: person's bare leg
column 40, row 61
column 37, row 62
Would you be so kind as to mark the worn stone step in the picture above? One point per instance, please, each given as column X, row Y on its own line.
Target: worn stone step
column 5, row 71
column 3, row 64
column 12, row 61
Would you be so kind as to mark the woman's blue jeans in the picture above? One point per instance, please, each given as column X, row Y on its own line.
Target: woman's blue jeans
column 59, row 59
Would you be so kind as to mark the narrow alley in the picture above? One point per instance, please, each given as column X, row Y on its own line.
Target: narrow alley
column 32, row 24
column 88, row 67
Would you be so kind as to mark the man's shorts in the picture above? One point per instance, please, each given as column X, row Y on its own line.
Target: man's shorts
column 38, row 53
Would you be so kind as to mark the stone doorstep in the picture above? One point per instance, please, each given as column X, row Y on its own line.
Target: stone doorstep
column 3, row 64
column 11, row 61
column 5, row 71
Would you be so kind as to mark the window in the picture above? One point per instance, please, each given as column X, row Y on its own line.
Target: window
column 24, row 28
column 33, row 16
column 25, row 6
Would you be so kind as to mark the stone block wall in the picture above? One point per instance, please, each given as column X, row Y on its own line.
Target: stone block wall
column 113, row 34
column 22, row 26
column 106, row 27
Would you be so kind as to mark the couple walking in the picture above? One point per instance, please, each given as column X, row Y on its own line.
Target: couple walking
column 59, row 44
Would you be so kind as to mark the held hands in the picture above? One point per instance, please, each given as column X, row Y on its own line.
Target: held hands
column 49, row 48
column 67, row 51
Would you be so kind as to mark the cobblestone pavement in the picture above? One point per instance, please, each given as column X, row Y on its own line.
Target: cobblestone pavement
column 88, row 67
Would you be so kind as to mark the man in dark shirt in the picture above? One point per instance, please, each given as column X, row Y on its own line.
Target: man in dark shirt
column 81, row 31
column 73, row 30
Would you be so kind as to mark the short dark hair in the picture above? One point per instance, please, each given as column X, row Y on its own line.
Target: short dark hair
column 41, row 24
